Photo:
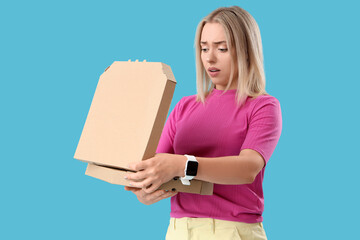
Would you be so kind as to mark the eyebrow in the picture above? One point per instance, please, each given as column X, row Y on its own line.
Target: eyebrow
column 216, row 43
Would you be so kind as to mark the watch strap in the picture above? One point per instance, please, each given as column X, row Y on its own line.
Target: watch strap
column 186, row 180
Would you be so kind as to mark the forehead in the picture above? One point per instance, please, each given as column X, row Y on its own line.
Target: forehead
column 213, row 32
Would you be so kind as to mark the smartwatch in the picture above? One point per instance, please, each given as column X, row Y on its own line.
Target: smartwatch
column 191, row 168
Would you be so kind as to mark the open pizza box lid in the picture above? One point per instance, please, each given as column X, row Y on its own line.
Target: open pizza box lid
column 125, row 122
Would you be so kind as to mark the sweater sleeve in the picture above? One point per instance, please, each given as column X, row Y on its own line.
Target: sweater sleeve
column 166, row 141
column 264, row 127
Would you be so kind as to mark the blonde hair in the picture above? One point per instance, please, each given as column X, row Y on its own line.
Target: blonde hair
column 244, row 42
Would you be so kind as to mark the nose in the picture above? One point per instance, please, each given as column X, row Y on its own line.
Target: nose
column 211, row 57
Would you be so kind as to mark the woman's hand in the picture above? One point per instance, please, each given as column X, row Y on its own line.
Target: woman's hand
column 153, row 172
column 150, row 198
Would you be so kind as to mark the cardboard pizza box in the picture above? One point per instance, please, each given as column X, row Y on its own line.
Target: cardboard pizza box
column 116, row 176
column 126, row 119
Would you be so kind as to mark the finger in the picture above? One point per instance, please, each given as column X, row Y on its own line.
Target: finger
column 146, row 196
column 167, row 195
column 127, row 188
column 155, row 196
column 137, row 166
column 171, row 194
column 152, row 188
column 141, row 184
column 136, row 176
column 136, row 191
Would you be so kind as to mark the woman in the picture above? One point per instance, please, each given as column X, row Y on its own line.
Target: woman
column 230, row 128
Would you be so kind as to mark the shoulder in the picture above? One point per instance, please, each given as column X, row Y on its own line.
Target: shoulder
column 262, row 100
column 185, row 102
column 188, row 99
column 183, row 105
column 263, row 104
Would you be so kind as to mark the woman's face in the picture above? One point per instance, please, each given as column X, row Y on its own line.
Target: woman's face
column 215, row 55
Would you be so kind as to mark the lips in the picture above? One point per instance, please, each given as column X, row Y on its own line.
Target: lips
column 213, row 69
column 213, row 72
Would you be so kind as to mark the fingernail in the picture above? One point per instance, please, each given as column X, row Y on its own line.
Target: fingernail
column 125, row 177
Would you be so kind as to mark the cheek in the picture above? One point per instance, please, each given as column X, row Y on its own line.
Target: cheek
column 226, row 62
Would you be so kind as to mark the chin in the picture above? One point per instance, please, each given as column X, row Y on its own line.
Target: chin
column 218, row 83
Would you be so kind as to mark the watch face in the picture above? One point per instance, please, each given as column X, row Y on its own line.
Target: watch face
column 192, row 168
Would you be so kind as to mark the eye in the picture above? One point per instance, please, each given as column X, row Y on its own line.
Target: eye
column 223, row 49
column 204, row 49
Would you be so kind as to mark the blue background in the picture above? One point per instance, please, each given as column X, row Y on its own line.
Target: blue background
column 53, row 52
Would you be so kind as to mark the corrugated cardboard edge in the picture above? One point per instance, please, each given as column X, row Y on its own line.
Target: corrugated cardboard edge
column 164, row 107
column 116, row 176
column 109, row 175
column 160, row 119
column 167, row 71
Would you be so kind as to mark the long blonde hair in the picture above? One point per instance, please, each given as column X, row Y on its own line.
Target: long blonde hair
column 244, row 42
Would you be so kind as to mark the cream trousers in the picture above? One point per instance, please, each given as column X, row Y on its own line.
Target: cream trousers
column 211, row 229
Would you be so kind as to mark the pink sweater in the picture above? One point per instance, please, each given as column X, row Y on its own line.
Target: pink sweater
column 219, row 128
